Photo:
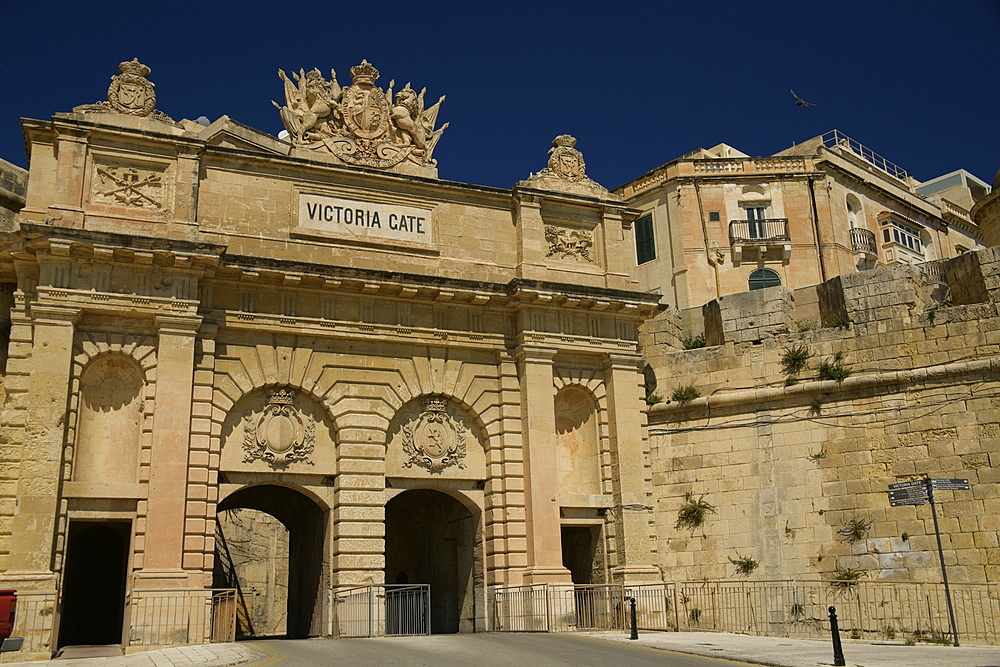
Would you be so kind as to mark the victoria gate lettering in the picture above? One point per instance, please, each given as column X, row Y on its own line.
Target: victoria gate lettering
column 366, row 219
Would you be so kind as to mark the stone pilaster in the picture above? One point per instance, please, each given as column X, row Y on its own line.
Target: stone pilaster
column 531, row 244
column 359, row 515
column 168, row 503
column 506, row 546
column 37, row 509
column 541, row 459
column 625, row 428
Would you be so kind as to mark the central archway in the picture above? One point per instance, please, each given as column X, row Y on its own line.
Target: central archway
column 430, row 538
column 305, row 522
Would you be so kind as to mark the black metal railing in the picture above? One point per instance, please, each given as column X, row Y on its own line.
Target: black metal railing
column 863, row 240
column 758, row 232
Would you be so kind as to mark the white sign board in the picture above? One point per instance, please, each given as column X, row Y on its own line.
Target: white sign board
column 370, row 221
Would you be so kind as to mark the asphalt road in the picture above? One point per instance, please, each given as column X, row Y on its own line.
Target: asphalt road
column 489, row 650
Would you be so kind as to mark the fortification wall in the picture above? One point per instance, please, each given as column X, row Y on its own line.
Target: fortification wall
column 797, row 466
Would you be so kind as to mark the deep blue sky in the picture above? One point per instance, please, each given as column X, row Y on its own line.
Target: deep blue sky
column 638, row 84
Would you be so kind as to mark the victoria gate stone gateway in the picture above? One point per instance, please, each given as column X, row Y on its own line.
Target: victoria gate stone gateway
column 294, row 366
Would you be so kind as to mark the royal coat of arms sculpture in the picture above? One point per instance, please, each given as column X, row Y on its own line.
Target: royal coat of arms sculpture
column 281, row 434
column 360, row 124
column 434, row 440
column 130, row 93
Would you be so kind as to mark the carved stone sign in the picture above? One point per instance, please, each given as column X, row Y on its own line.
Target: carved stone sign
column 130, row 93
column 569, row 243
column 434, row 440
column 365, row 220
column 360, row 124
column 281, row 434
column 129, row 186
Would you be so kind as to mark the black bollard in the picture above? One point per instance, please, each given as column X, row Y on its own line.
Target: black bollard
column 635, row 623
column 838, row 651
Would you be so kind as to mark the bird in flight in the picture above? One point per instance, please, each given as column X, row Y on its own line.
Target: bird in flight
column 799, row 102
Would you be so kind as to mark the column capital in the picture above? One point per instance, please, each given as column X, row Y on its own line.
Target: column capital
column 54, row 313
column 182, row 325
column 622, row 361
column 535, row 353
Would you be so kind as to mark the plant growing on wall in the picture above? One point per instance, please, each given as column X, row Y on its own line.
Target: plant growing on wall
column 685, row 394
column 855, row 529
column 745, row 565
column 653, row 398
column 693, row 512
column 795, row 359
column 834, row 369
column 694, row 342
column 846, row 578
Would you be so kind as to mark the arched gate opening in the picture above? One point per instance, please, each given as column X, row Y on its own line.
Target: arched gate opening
column 238, row 552
column 430, row 538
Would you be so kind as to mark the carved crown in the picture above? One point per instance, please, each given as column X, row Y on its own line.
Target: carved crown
column 434, row 404
column 364, row 73
column 134, row 67
column 281, row 397
column 564, row 141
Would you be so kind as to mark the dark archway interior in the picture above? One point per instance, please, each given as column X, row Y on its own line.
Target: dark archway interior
column 306, row 524
column 430, row 539
column 579, row 548
column 93, row 600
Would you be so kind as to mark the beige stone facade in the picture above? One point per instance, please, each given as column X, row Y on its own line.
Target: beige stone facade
column 718, row 221
column 208, row 319
column 296, row 366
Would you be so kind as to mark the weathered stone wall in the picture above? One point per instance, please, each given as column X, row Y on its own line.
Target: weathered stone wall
column 13, row 186
column 792, row 462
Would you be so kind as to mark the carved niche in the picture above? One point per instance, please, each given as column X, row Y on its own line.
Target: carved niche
column 281, row 434
column 567, row 243
column 434, row 439
column 131, row 93
column 360, row 124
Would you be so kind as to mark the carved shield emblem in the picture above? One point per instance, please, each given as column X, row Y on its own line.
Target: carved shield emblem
column 434, row 440
column 131, row 94
column 281, row 434
column 366, row 111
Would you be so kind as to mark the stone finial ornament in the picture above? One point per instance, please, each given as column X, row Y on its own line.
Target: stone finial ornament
column 566, row 171
column 360, row 124
column 130, row 93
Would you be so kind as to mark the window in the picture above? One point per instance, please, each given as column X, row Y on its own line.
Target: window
column 756, row 215
column 714, row 216
column 645, row 247
column 904, row 235
column 763, row 278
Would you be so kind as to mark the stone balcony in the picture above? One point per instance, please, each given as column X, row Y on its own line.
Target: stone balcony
column 760, row 234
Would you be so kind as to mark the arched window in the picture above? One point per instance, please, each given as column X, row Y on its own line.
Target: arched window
column 762, row 278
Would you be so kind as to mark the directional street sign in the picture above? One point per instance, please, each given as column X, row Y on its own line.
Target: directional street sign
column 899, row 494
column 950, row 481
column 909, row 501
column 908, row 485
column 952, row 487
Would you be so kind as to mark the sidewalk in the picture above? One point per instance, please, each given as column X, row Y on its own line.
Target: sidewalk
column 809, row 653
column 208, row 655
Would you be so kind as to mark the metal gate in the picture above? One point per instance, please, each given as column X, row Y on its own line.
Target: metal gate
column 385, row 610
column 557, row 608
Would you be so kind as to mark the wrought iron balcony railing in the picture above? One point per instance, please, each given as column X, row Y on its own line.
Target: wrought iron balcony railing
column 758, row 232
column 863, row 240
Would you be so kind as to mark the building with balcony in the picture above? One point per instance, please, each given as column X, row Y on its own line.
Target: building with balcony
column 717, row 221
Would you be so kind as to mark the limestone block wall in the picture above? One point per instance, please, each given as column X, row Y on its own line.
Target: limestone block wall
column 797, row 466
column 13, row 186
